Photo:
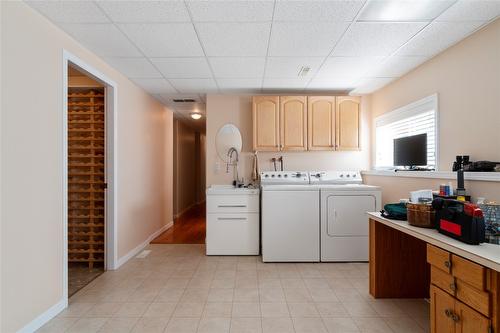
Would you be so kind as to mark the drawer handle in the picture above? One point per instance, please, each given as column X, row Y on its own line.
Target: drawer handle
column 231, row 218
column 448, row 313
column 233, row 206
column 447, row 264
column 455, row 317
column 453, row 286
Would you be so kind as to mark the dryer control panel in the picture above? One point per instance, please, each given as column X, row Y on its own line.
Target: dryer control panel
column 335, row 177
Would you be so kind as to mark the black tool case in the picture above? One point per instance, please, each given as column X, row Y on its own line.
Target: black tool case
column 463, row 221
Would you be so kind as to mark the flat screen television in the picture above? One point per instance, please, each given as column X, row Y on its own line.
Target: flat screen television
column 411, row 151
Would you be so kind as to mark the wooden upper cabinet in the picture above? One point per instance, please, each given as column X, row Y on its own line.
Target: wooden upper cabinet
column 348, row 123
column 266, row 119
column 321, row 122
column 293, row 122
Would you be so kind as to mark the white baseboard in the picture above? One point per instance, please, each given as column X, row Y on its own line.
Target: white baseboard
column 132, row 253
column 44, row 317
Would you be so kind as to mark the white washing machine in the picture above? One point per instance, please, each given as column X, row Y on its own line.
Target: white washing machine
column 344, row 224
column 290, row 217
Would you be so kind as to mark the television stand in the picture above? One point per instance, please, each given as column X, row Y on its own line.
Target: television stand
column 414, row 168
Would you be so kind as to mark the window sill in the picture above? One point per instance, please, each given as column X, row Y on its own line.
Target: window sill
column 481, row 176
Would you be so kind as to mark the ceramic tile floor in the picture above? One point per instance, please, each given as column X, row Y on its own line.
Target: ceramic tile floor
column 179, row 289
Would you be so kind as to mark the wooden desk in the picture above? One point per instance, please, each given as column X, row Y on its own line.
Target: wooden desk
column 463, row 281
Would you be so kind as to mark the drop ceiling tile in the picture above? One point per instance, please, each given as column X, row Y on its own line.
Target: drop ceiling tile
column 397, row 66
column 240, row 84
column 238, row 67
column 375, row 39
column 332, row 11
column 403, row 10
column 289, row 67
column 367, row 86
column 231, row 11
column 285, row 83
column 234, row 39
column 103, row 39
column 314, row 39
column 438, row 36
column 145, row 11
column 70, row 11
column 467, row 10
column 348, row 67
column 155, row 86
column 134, row 67
column 194, row 85
column 180, row 68
column 333, row 83
column 164, row 40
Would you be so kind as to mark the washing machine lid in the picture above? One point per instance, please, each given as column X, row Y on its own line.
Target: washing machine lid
column 281, row 187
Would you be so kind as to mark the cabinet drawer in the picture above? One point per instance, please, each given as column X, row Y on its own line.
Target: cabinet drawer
column 443, row 280
column 439, row 258
column 232, row 203
column 475, row 298
column 233, row 234
column 472, row 273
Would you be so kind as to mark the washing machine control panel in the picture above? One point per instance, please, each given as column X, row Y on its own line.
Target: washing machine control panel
column 284, row 177
column 336, row 177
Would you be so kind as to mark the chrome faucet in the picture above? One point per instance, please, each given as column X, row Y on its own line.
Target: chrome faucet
column 230, row 153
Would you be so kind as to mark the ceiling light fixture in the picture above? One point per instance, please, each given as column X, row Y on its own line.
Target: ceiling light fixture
column 304, row 70
column 196, row 116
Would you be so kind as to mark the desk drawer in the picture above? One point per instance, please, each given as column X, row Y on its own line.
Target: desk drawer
column 443, row 280
column 439, row 258
column 232, row 203
column 467, row 271
column 476, row 299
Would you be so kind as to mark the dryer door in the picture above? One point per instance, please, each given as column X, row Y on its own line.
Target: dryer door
column 346, row 214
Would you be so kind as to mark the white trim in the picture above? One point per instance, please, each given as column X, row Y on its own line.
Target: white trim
column 132, row 253
column 480, row 176
column 111, row 163
column 42, row 319
column 408, row 110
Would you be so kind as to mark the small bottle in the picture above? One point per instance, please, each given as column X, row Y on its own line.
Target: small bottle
column 451, row 188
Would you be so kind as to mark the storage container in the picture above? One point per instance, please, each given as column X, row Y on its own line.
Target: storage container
column 420, row 215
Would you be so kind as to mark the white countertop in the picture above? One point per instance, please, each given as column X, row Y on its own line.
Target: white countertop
column 485, row 254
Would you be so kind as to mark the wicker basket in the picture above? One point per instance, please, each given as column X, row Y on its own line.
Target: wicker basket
column 421, row 215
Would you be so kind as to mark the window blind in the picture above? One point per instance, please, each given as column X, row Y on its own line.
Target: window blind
column 415, row 119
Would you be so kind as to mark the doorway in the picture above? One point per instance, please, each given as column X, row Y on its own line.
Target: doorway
column 189, row 220
column 89, row 237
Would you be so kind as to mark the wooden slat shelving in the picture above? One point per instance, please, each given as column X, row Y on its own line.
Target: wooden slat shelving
column 85, row 175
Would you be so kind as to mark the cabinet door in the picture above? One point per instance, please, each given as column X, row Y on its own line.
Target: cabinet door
column 348, row 119
column 293, row 122
column 321, row 122
column 442, row 309
column 266, row 123
column 469, row 321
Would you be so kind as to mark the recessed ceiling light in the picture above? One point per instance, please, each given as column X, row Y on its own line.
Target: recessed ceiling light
column 196, row 116
column 304, row 70
column 403, row 10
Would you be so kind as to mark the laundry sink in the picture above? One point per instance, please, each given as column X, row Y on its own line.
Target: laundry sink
column 231, row 190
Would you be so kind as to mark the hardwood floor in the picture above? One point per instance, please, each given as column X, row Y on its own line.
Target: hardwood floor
column 190, row 228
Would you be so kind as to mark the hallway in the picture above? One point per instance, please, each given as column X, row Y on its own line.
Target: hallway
column 189, row 228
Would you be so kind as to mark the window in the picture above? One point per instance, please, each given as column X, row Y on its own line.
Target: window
column 416, row 118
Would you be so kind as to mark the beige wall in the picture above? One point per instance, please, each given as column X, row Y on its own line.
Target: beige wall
column 467, row 80
column 32, row 160
column 237, row 109
column 186, row 166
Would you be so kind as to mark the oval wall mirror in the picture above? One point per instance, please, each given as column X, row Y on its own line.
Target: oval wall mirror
column 228, row 137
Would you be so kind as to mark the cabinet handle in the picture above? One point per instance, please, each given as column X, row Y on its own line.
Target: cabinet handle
column 448, row 313
column 455, row 317
column 453, row 286
column 231, row 218
column 231, row 206
column 447, row 264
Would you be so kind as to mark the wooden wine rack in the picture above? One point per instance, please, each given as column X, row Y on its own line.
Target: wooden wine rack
column 86, row 175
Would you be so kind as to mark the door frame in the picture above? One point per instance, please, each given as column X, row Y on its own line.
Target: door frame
column 111, row 171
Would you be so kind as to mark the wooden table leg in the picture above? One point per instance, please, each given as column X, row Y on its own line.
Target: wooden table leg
column 398, row 265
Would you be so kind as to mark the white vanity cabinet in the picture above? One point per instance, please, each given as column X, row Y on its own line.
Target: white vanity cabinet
column 232, row 221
